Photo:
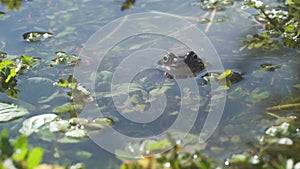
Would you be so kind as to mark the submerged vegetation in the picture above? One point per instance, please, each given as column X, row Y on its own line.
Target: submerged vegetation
column 51, row 117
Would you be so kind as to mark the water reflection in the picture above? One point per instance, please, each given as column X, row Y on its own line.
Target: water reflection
column 244, row 116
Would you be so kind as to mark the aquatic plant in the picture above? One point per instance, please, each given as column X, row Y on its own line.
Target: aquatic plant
column 281, row 25
column 10, row 69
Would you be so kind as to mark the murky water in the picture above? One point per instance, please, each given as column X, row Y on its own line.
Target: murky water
column 74, row 22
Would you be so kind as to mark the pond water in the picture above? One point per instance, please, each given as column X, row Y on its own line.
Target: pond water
column 74, row 22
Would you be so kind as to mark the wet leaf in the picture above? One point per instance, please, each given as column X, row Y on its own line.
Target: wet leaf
column 70, row 82
column 37, row 36
column 63, row 58
column 159, row 145
column 61, row 125
column 78, row 133
column 9, row 112
column 36, row 123
column 269, row 67
column 68, row 108
column 78, row 127
column 5, row 63
column 225, row 74
column 284, row 129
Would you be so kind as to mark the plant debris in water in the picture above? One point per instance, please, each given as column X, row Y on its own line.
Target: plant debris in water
column 63, row 58
column 48, row 124
column 224, row 79
column 37, row 36
column 127, row 4
column 173, row 155
column 10, row 69
column 12, row 4
column 278, row 148
column 214, row 4
column 281, row 24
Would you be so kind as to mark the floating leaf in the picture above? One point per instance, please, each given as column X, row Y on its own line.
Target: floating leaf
column 37, row 123
column 5, row 63
column 68, row 108
column 284, row 129
column 159, row 145
column 63, row 58
column 70, row 82
column 79, row 133
column 61, row 125
column 78, row 127
column 37, row 36
column 269, row 67
column 225, row 74
column 9, row 112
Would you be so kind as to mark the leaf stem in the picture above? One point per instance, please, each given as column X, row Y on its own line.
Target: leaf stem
column 285, row 106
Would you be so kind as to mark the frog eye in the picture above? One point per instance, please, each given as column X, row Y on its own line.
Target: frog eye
column 192, row 55
column 166, row 58
column 169, row 57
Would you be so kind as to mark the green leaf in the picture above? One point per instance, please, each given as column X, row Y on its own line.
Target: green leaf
column 34, row 157
column 11, row 92
column 12, row 74
column 5, row 63
column 225, row 74
column 9, row 112
column 159, row 145
column 27, row 59
column 5, row 146
column 289, row 2
column 20, row 148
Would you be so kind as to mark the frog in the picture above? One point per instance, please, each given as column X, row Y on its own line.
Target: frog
column 180, row 67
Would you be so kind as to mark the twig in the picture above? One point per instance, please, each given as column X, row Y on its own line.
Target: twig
column 212, row 16
column 273, row 115
column 284, row 106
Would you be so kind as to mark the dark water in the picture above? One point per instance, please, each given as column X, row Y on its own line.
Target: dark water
column 74, row 22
